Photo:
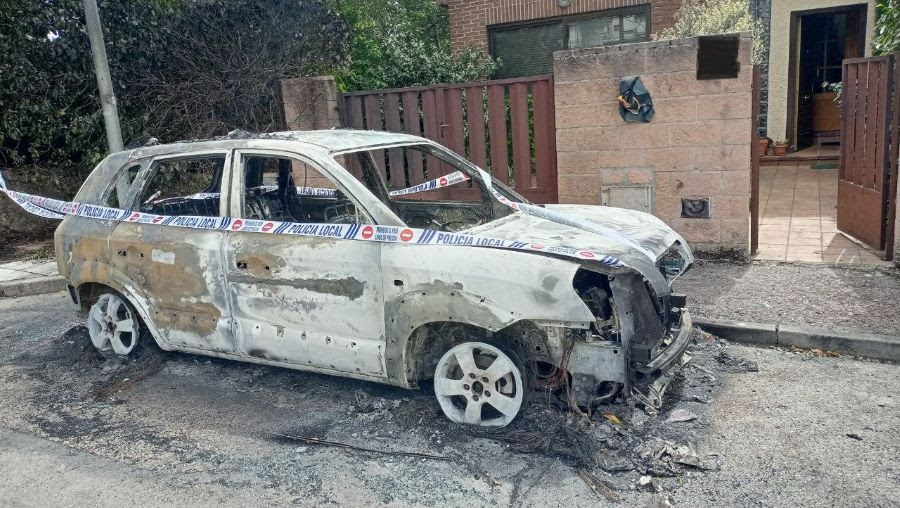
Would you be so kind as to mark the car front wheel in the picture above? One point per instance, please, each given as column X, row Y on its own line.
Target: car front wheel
column 479, row 384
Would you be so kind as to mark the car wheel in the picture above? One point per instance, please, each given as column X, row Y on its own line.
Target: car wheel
column 113, row 324
column 480, row 384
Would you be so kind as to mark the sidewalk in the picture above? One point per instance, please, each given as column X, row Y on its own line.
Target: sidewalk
column 842, row 299
column 21, row 278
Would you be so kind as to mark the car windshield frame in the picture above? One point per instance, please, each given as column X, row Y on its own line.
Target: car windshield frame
column 446, row 155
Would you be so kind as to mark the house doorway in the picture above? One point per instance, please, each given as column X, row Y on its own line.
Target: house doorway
column 798, row 199
column 821, row 40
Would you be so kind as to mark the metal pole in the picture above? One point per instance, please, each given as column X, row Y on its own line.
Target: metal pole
column 104, row 81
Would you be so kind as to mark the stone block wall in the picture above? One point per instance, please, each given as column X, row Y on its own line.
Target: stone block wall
column 310, row 103
column 697, row 145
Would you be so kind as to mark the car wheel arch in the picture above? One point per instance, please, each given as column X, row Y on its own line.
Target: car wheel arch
column 89, row 292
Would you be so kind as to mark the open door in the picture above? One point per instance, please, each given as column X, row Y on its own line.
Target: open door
column 865, row 180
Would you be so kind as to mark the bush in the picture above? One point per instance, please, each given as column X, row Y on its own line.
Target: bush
column 887, row 27
column 710, row 17
column 181, row 69
column 399, row 43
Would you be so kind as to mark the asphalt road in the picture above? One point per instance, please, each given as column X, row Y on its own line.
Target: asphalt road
column 171, row 429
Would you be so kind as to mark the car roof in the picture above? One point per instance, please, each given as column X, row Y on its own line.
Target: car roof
column 332, row 140
column 339, row 140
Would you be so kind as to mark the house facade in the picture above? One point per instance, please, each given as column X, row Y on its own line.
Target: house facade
column 525, row 33
column 804, row 42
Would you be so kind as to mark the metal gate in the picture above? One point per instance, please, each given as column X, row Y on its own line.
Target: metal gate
column 868, row 179
column 504, row 126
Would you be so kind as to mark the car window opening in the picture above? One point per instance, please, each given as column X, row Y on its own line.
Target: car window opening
column 454, row 199
column 189, row 186
column 290, row 190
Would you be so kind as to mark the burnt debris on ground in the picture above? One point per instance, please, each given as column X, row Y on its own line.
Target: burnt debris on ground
column 614, row 448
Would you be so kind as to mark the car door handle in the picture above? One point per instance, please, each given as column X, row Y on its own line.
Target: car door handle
column 242, row 265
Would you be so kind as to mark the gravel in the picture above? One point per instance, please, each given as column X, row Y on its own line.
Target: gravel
column 771, row 428
column 840, row 299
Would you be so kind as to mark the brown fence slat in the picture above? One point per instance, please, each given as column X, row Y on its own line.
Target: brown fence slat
column 754, row 160
column 521, row 139
column 475, row 124
column 497, row 128
column 354, row 113
column 373, row 123
column 432, row 124
column 881, row 159
column 870, row 135
column 453, row 121
column 397, row 170
column 893, row 119
column 859, row 121
column 412, row 124
column 544, row 133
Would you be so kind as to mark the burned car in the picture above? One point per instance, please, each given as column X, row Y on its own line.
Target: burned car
column 376, row 256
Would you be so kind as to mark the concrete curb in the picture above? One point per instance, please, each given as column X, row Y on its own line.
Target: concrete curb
column 32, row 286
column 868, row 345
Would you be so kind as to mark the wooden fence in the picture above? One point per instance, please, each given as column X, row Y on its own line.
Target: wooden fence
column 504, row 126
column 868, row 149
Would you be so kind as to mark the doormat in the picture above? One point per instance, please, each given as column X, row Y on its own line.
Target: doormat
column 826, row 165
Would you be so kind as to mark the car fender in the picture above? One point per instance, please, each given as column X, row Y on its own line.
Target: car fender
column 483, row 287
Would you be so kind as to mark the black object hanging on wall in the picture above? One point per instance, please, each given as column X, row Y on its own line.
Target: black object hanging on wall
column 635, row 104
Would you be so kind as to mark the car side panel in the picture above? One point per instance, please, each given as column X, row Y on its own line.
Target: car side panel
column 179, row 279
column 314, row 302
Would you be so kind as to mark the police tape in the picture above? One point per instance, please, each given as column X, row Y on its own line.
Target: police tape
column 57, row 209
column 444, row 181
column 438, row 183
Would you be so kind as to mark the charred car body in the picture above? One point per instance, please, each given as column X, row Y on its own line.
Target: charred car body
column 486, row 324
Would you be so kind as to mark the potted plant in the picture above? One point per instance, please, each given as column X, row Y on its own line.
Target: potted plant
column 779, row 148
column 764, row 145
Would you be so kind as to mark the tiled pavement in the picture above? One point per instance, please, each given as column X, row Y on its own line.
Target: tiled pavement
column 799, row 218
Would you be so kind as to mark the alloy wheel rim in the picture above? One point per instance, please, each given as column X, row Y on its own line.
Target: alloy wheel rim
column 478, row 384
column 112, row 326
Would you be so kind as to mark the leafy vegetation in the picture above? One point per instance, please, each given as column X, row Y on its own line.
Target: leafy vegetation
column 398, row 43
column 181, row 69
column 711, row 17
column 887, row 27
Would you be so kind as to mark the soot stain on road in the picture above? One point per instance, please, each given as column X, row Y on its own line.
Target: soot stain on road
column 86, row 397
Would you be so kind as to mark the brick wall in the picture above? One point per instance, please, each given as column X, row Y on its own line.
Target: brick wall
column 698, row 144
column 469, row 19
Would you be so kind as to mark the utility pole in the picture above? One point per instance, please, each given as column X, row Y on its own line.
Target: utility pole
column 104, row 81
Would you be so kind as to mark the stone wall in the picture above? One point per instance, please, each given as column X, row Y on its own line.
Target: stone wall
column 469, row 19
column 697, row 146
column 310, row 103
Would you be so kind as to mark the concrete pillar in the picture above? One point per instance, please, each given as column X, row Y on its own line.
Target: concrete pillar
column 310, row 103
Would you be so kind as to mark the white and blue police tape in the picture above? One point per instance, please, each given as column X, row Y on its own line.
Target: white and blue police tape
column 444, row 181
column 57, row 209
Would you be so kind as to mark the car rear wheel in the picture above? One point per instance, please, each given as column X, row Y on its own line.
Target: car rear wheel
column 113, row 325
column 479, row 384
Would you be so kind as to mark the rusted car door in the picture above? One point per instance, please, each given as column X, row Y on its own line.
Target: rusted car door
column 174, row 273
column 309, row 302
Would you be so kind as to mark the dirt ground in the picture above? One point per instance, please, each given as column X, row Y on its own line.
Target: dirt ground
column 769, row 428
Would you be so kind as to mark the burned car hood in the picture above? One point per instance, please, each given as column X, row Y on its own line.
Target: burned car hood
column 654, row 238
